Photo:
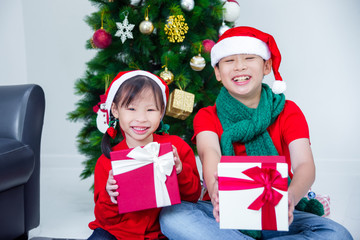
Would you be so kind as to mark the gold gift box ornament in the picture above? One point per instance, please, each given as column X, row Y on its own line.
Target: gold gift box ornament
column 180, row 104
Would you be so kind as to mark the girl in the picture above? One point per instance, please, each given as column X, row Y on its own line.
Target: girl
column 137, row 100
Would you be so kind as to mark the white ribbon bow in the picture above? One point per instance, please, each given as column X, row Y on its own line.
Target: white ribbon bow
column 163, row 166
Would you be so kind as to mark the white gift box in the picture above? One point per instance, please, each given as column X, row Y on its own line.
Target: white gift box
column 253, row 181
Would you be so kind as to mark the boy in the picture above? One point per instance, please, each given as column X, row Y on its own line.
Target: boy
column 250, row 119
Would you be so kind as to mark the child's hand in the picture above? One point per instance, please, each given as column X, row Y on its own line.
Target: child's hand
column 291, row 207
column 111, row 187
column 215, row 198
column 178, row 164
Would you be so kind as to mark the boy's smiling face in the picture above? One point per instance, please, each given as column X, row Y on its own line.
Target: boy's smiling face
column 242, row 75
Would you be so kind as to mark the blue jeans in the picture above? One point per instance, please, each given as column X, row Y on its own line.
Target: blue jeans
column 196, row 221
column 101, row 234
column 189, row 221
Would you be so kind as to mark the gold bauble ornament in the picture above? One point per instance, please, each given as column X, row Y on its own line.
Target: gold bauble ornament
column 197, row 63
column 167, row 76
column 146, row 27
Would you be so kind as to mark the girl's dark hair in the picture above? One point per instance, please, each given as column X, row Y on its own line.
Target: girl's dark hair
column 126, row 94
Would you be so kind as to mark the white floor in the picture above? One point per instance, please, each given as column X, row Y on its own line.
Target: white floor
column 67, row 204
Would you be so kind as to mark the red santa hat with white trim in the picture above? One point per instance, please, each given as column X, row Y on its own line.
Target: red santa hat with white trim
column 123, row 76
column 248, row 40
column 116, row 84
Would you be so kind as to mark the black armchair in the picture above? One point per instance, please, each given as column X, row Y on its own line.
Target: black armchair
column 21, row 120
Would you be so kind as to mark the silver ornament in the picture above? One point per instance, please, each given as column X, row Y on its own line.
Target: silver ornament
column 123, row 57
column 183, row 49
column 146, row 27
column 223, row 29
column 231, row 11
column 134, row 2
column 187, row 5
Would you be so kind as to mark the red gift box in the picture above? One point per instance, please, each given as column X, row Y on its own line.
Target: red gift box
column 146, row 177
column 253, row 192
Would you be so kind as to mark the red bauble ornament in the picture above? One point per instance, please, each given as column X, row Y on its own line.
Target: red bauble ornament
column 102, row 39
column 208, row 44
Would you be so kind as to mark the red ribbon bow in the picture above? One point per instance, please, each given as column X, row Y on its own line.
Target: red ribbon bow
column 268, row 177
column 112, row 132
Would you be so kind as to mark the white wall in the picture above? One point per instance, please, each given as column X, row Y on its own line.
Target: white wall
column 43, row 42
column 48, row 40
column 55, row 34
column 319, row 42
column 12, row 43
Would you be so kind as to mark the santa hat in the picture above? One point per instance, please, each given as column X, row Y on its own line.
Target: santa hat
column 247, row 40
column 123, row 76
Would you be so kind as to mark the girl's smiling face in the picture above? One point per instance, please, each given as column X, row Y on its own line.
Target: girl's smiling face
column 139, row 119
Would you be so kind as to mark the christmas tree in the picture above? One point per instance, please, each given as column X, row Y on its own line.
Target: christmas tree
column 159, row 36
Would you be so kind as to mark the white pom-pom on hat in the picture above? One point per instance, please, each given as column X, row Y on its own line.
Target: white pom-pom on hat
column 278, row 87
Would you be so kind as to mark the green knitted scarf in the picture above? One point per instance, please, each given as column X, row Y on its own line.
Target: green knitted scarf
column 249, row 126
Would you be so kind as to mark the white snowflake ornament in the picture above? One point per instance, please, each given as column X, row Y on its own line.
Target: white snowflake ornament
column 124, row 30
